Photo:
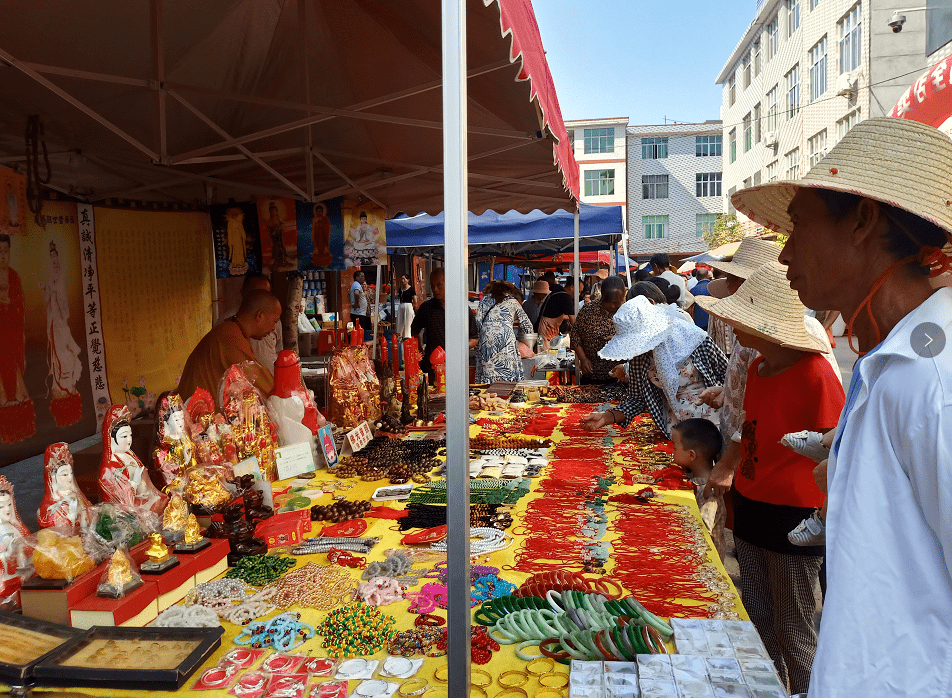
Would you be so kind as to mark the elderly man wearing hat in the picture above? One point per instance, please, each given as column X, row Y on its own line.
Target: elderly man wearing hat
column 866, row 228
column 789, row 386
column 540, row 289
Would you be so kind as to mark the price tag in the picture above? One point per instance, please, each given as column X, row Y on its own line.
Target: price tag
column 357, row 438
column 294, row 459
column 325, row 441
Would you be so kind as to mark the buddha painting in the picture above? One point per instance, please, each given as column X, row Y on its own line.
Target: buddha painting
column 64, row 506
column 123, row 480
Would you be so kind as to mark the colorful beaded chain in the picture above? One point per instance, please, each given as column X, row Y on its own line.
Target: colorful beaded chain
column 356, row 630
column 283, row 632
column 260, row 570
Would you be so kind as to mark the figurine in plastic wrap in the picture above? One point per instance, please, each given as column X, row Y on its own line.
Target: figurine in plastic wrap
column 120, row 579
column 13, row 548
column 123, row 480
column 64, row 505
column 160, row 558
column 205, row 429
column 252, row 432
column 175, row 452
column 174, row 518
column 193, row 540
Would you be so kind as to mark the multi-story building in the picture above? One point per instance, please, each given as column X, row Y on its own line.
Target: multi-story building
column 797, row 81
column 674, row 187
column 600, row 152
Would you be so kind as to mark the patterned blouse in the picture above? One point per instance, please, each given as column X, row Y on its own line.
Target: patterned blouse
column 497, row 356
column 592, row 330
column 707, row 365
column 732, row 412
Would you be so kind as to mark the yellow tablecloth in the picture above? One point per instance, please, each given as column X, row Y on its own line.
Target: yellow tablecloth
column 502, row 661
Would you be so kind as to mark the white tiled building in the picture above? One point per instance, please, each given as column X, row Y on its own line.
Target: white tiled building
column 674, row 187
column 797, row 81
column 600, row 152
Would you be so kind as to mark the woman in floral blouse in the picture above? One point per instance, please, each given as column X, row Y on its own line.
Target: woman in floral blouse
column 497, row 355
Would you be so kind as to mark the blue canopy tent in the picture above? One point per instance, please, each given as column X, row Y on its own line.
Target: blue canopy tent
column 512, row 234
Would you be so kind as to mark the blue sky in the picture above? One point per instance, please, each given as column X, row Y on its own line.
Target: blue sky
column 638, row 58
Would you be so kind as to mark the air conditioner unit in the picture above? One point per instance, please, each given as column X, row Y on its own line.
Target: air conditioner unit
column 845, row 84
column 770, row 139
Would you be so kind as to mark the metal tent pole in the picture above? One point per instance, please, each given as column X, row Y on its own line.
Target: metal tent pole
column 578, row 275
column 376, row 310
column 455, row 204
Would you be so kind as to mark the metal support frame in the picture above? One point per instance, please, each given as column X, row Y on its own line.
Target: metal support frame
column 456, row 205
column 578, row 275
column 158, row 63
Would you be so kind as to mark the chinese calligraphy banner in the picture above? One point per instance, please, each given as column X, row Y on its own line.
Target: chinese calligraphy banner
column 237, row 241
column 365, row 235
column 95, row 349
column 277, row 220
column 155, row 278
column 13, row 206
column 45, row 388
column 320, row 229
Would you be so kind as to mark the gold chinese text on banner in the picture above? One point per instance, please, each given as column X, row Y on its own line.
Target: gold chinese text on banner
column 365, row 235
column 155, row 276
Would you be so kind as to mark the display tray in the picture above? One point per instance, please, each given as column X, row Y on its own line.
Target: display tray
column 26, row 641
column 130, row 658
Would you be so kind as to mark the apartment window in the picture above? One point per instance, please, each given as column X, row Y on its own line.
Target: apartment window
column 654, row 148
column 793, row 164
column 707, row 184
column 748, row 182
column 851, row 34
column 732, row 90
column 571, row 139
column 757, row 123
column 730, row 201
column 705, row 146
column 757, row 58
column 705, row 223
column 793, row 92
column 732, row 137
column 745, row 70
column 656, row 227
column 773, row 118
column 818, row 70
column 813, row 4
column 599, row 182
column 817, row 146
column 756, row 178
column 599, row 140
column 772, row 169
column 844, row 125
column 773, row 38
column 748, row 133
column 654, row 186
column 938, row 24
column 793, row 16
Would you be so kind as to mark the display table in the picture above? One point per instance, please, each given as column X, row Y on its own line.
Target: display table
column 590, row 477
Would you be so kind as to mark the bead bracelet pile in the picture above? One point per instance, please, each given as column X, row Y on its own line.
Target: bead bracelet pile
column 283, row 632
column 312, row 586
column 260, row 570
column 355, row 630
column 316, row 546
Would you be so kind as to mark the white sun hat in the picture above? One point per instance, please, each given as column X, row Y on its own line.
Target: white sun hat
column 639, row 327
column 904, row 163
column 766, row 306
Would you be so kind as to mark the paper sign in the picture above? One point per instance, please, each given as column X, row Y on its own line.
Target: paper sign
column 357, row 438
column 294, row 459
column 325, row 438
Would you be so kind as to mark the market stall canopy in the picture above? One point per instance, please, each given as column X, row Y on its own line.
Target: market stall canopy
column 512, row 234
column 172, row 100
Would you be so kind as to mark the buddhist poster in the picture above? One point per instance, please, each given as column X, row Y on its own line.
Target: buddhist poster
column 277, row 221
column 365, row 235
column 320, row 228
column 14, row 211
column 237, row 241
column 45, row 388
column 155, row 279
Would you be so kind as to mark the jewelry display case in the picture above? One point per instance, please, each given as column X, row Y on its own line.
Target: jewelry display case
column 26, row 641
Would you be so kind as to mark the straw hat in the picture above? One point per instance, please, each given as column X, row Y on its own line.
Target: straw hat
column 751, row 254
column 540, row 287
column 903, row 163
column 639, row 327
column 766, row 306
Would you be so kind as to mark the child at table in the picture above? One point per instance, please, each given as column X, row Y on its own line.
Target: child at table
column 697, row 445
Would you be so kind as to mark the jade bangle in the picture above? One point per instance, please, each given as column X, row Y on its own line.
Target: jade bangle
column 557, row 607
column 528, row 657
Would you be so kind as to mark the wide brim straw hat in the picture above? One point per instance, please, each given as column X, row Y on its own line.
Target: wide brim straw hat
column 765, row 306
column 639, row 328
column 751, row 254
column 904, row 163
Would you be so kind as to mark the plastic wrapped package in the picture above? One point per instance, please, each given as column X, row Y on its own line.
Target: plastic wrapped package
column 57, row 555
column 730, row 690
column 250, row 431
column 15, row 565
column 120, row 578
column 354, row 388
column 64, row 505
column 206, row 485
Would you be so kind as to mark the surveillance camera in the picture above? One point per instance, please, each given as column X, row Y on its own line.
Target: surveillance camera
column 896, row 22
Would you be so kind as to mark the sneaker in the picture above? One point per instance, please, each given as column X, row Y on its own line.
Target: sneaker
column 810, row 531
column 807, row 443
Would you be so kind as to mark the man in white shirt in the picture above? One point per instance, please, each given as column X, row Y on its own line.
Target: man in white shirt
column 886, row 629
column 358, row 305
column 661, row 266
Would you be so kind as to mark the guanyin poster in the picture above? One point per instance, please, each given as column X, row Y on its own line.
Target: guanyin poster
column 365, row 235
column 237, row 243
column 320, row 229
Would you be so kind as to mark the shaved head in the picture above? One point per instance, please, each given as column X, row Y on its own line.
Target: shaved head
column 259, row 312
column 258, row 300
